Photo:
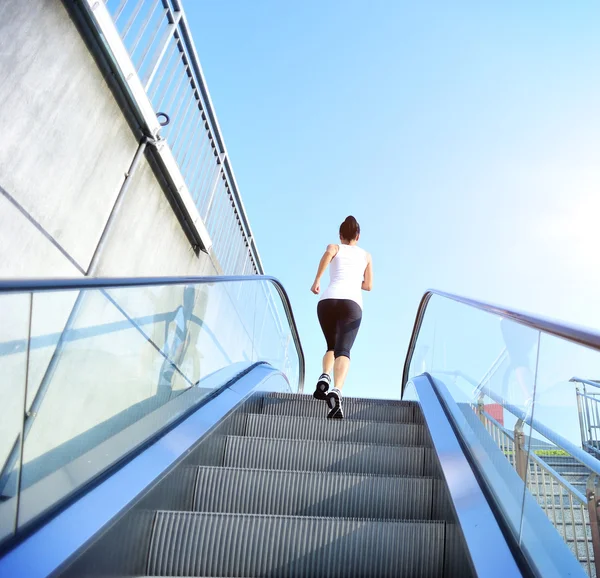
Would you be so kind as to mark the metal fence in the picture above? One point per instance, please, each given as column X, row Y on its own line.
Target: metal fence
column 565, row 506
column 588, row 405
column 157, row 38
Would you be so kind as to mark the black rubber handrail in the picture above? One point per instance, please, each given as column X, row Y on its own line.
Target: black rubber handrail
column 573, row 333
column 47, row 285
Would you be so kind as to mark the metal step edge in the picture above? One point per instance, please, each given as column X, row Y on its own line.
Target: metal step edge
column 340, row 518
column 354, row 401
column 332, row 518
column 351, row 399
column 310, row 493
column 308, row 455
column 335, row 421
column 316, row 472
column 318, row 409
column 328, row 442
column 183, row 544
column 316, row 441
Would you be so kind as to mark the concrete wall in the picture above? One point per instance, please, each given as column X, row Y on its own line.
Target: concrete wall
column 66, row 147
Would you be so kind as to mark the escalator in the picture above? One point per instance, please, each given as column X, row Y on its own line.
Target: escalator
column 292, row 493
column 207, row 459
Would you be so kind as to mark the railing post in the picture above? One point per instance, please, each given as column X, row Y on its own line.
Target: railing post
column 580, row 412
column 592, row 493
column 520, row 452
column 480, row 408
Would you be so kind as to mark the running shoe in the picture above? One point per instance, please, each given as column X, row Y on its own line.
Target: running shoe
column 334, row 402
column 322, row 387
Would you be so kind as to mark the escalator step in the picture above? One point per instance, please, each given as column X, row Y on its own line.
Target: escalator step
column 236, row 490
column 369, row 400
column 200, row 544
column 354, row 408
column 292, row 427
column 307, row 455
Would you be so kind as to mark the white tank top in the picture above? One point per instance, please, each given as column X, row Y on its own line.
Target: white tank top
column 346, row 274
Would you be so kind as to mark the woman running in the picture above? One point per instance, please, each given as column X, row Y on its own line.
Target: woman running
column 340, row 309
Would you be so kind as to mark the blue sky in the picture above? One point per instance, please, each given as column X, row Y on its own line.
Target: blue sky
column 464, row 137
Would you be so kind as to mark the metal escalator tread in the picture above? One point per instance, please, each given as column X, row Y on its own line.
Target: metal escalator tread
column 320, row 494
column 299, row 495
column 197, row 544
column 354, row 408
column 371, row 432
column 308, row 455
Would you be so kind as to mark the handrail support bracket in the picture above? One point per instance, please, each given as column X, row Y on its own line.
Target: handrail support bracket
column 520, row 451
column 592, row 493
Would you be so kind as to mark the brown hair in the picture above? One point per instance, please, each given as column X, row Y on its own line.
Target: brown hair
column 349, row 229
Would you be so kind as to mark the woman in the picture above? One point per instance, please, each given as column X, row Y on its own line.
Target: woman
column 340, row 309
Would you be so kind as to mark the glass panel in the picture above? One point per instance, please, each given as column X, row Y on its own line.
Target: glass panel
column 14, row 337
column 567, row 412
column 529, row 403
column 111, row 368
column 274, row 345
column 486, row 364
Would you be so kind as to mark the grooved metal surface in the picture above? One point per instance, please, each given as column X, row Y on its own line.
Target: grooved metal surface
column 456, row 563
column 174, row 492
column 354, row 408
column 287, row 495
column 125, row 551
column 197, row 544
column 442, row 510
column 237, row 490
column 307, row 455
column 370, row 432
column 366, row 400
column 210, row 451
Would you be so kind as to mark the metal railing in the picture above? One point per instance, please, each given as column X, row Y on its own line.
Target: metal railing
column 588, row 405
column 574, row 515
column 565, row 506
column 156, row 35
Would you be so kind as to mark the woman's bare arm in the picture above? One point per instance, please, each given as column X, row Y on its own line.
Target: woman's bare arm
column 329, row 254
column 367, row 283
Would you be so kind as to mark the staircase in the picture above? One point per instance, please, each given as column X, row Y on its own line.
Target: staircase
column 571, row 523
column 300, row 495
column 569, row 469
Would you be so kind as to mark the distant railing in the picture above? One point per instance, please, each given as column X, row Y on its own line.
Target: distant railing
column 588, row 405
column 157, row 38
column 565, row 506
column 572, row 513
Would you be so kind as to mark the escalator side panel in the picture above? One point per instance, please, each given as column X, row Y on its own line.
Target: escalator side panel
column 128, row 540
column 484, row 551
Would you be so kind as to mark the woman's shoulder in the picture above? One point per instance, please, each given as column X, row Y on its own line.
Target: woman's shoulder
column 366, row 254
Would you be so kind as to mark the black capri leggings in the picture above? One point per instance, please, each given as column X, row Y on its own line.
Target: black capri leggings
column 340, row 320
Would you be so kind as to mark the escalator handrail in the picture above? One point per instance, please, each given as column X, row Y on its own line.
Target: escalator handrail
column 48, row 285
column 573, row 333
